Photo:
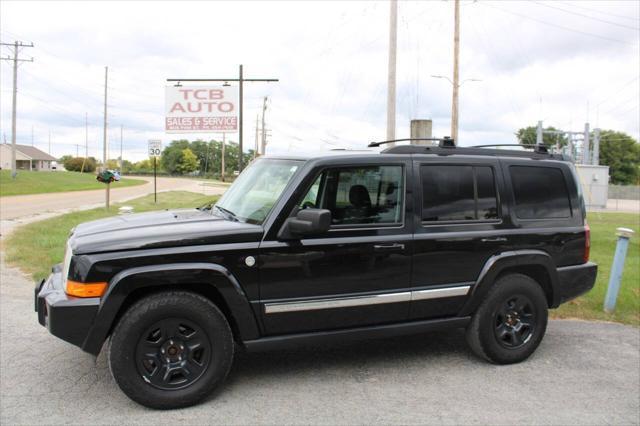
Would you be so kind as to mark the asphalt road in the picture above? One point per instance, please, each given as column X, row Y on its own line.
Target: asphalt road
column 583, row 373
column 21, row 206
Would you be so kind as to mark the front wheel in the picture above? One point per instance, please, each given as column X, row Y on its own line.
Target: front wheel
column 510, row 322
column 170, row 350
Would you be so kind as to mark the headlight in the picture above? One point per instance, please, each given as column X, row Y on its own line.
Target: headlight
column 79, row 289
column 68, row 254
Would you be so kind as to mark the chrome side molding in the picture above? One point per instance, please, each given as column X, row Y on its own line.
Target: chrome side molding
column 438, row 293
column 375, row 299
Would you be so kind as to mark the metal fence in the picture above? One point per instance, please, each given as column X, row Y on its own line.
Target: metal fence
column 624, row 192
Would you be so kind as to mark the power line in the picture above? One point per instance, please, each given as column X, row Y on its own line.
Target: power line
column 574, row 4
column 586, row 16
column 615, row 40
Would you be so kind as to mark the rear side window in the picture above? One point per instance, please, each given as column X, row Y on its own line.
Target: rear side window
column 540, row 192
column 458, row 193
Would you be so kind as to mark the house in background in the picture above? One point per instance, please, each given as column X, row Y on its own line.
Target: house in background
column 27, row 158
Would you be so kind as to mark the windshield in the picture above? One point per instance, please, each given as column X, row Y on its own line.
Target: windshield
column 256, row 190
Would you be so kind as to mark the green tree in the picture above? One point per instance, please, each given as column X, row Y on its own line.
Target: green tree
column 113, row 164
column 202, row 150
column 74, row 164
column 65, row 158
column 127, row 166
column 188, row 162
column 621, row 153
column 172, row 155
column 528, row 136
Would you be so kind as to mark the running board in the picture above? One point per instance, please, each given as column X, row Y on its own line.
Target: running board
column 360, row 333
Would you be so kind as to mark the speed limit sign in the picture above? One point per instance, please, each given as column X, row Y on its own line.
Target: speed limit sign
column 155, row 148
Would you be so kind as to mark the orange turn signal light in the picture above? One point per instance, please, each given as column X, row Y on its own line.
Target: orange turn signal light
column 77, row 289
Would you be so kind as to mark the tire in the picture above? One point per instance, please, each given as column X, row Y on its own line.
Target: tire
column 498, row 331
column 170, row 350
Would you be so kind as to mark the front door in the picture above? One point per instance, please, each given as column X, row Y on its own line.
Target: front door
column 459, row 226
column 356, row 274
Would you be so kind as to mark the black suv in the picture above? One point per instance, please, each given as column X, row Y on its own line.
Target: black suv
column 335, row 247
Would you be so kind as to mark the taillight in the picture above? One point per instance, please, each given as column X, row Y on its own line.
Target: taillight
column 587, row 243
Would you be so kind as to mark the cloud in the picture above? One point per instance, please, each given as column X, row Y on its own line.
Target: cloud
column 535, row 62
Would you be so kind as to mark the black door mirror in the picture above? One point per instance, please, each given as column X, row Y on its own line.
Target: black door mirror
column 306, row 222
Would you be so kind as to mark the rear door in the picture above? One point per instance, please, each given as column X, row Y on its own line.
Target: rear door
column 459, row 226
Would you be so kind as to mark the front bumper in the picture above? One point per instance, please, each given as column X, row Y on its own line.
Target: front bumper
column 66, row 317
column 576, row 280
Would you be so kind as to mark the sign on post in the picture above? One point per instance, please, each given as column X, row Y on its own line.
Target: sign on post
column 155, row 151
column 194, row 109
column 155, row 148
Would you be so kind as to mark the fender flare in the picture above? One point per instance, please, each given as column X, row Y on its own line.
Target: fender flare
column 174, row 274
column 498, row 263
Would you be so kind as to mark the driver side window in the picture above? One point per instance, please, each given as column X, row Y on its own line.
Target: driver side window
column 359, row 195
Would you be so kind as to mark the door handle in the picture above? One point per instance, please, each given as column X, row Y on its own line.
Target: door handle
column 494, row 240
column 389, row 247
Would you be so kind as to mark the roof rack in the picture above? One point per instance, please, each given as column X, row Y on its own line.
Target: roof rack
column 454, row 150
column 445, row 142
column 539, row 148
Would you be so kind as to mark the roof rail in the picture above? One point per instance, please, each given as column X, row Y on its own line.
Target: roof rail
column 445, row 142
column 440, row 150
column 539, row 148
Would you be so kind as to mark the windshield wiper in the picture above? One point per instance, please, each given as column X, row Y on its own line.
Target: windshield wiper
column 228, row 213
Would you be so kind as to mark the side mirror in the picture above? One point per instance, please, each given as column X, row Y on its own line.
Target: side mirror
column 306, row 222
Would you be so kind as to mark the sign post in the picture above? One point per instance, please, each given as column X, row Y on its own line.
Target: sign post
column 155, row 150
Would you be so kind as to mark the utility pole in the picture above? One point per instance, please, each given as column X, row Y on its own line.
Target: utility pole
column 86, row 135
column 16, row 45
column 241, row 80
column 77, row 150
column 255, row 150
column 586, row 157
column 104, row 137
column 121, row 149
column 263, row 144
column 595, row 157
column 456, row 76
column 104, row 126
column 391, row 82
column 224, row 142
column 86, row 143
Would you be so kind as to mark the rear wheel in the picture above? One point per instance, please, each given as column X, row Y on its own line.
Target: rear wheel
column 510, row 322
column 170, row 350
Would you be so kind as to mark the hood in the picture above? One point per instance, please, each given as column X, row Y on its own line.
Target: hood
column 169, row 228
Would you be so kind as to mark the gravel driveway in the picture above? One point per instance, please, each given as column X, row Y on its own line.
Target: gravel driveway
column 583, row 373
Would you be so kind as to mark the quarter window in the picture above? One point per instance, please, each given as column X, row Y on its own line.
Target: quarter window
column 540, row 192
column 458, row 193
column 359, row 195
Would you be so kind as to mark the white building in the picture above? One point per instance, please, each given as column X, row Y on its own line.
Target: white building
column 27, row 158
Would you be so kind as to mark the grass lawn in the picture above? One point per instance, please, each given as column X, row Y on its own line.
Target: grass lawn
column 35, row 247
column 603, row 243
column 28, row 182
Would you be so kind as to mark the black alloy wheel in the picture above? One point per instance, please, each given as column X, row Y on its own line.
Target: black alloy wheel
column 515, row 322
column 173, row 353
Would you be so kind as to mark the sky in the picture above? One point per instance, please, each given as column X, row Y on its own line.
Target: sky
column 563, row 62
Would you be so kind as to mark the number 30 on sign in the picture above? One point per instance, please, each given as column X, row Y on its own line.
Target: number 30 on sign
column 155, row 148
